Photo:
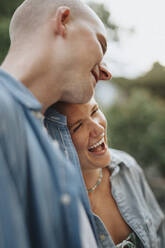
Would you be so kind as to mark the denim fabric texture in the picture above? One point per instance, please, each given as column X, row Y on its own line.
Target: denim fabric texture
column 39, row 196
column 130, row 190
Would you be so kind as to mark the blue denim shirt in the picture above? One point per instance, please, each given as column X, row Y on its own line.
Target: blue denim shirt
column 39, row 196
column 130, row 190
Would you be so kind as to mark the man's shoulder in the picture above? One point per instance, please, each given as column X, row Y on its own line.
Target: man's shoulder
column 9, row 111
column 6, row 100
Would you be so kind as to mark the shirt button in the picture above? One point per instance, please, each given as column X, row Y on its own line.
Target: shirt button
column 65, row 199
column 149, row 222
column 55, row 144
column 102, row 237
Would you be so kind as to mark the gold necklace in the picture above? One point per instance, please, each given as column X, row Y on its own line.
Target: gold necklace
column 97, row 183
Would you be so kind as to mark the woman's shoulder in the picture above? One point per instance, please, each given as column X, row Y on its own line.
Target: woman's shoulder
column 119, row 157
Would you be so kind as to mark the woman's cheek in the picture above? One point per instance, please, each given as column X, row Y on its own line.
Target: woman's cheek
column 79, row 141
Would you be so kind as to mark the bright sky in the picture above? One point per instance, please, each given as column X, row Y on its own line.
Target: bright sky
column 135, row 53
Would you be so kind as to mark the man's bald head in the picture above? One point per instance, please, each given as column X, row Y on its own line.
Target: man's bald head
column 32, row 14
column 59, row 46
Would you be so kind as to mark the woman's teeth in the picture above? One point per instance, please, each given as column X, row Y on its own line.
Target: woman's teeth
column 97, row 144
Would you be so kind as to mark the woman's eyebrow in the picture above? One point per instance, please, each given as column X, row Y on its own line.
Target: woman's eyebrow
column 75, row 123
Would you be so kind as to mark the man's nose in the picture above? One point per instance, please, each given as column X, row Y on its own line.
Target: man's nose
column 104, row 72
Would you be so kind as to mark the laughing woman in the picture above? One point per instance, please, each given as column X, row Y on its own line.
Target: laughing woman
column 125, row 211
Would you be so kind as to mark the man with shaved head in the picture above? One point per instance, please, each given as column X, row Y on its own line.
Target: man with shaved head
column 57, row 45
column 56, row 53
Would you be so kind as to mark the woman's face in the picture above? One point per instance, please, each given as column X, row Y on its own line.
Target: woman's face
column 87, row 126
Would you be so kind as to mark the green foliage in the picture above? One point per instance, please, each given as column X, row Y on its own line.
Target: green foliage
column 104, row 15
column 7, row 9
column 153, row 80
column 4, row 41
column 137, row 126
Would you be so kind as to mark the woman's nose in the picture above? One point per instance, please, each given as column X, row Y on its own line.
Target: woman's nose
column 96, row 129
column 104, row 72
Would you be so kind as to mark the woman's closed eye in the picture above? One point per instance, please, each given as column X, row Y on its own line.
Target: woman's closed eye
column 77, row 127
column 94, row 111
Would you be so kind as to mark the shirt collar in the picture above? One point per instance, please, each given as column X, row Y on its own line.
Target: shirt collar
column 118, row 160
column 19, row 91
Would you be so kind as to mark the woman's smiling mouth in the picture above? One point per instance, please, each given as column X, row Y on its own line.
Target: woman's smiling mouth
column 98, row 147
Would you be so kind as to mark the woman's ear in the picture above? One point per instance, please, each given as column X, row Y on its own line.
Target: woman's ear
column 60, row 19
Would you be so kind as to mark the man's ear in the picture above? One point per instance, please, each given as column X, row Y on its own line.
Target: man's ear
column 60, row 19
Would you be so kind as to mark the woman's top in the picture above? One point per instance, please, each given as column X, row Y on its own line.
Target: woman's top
column 132, row 194
column 105, row 240
column 130, row 242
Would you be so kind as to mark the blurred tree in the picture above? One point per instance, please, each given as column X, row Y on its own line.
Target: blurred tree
column 6, row 11
column 4, row 41
column 137, row 126
column 104, row 15
column 154, row 81
column 8, row 7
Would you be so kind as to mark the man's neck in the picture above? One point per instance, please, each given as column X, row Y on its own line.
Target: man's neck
column 35, row 81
